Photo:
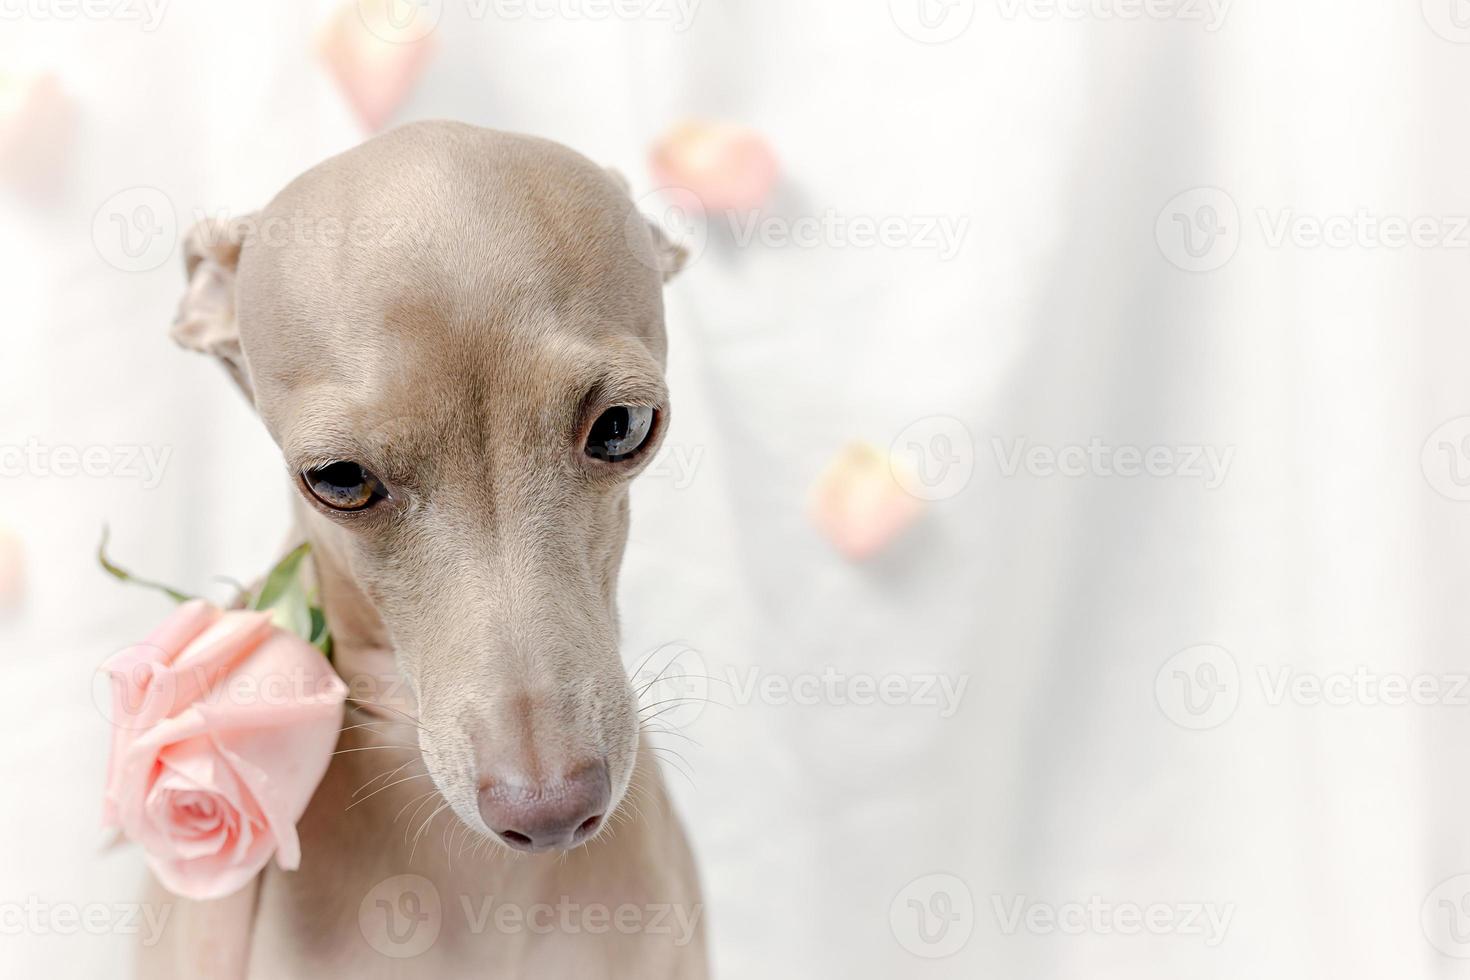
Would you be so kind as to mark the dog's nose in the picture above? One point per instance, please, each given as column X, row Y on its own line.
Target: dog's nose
column 531, row 815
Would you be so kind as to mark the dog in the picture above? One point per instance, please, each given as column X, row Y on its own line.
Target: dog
column 456, row 338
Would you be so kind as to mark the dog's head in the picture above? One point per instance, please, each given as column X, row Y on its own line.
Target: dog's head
column 456, row 338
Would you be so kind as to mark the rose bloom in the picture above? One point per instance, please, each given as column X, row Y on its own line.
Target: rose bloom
column 709, row 166
column 223, row 727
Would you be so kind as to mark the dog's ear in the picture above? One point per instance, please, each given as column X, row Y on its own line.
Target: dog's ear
column 206, row 321
column 670, row 256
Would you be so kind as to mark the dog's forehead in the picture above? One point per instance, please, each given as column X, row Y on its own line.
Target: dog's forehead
column 447, row 259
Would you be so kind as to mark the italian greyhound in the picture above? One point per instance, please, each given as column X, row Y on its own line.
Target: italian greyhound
column 456, row 338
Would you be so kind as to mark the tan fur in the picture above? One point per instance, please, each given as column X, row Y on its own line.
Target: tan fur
column 445, row 305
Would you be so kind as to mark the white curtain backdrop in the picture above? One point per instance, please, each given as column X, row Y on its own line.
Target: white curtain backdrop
column 1315, row 831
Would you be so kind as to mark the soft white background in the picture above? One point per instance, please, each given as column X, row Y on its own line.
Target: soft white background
column 1322, row 828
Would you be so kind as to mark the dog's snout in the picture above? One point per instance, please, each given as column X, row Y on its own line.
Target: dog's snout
column 544, row 815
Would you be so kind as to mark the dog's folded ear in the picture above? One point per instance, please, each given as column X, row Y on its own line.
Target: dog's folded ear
column 668, row 255
column 206, row 320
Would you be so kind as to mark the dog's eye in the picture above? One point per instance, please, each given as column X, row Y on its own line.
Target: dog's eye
column 344, row 486
column 619, row 433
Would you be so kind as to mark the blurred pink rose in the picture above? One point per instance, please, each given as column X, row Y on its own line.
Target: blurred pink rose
column 859, row 505
column 223, row 727
column 721, row 166
column 36, row 128
column 377, row 49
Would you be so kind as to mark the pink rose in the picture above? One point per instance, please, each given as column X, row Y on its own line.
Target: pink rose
column 715, row 167
column 223, row 727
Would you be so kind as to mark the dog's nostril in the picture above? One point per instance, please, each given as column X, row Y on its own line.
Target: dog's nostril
column 516, row 838
column 588, row 826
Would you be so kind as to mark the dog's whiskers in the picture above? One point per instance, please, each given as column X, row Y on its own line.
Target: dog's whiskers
column 373, row 748
column 418, row 834
column 417, row 799
column 388, row 707
column 664, row 729
column 389, row 775
column 380, row 789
